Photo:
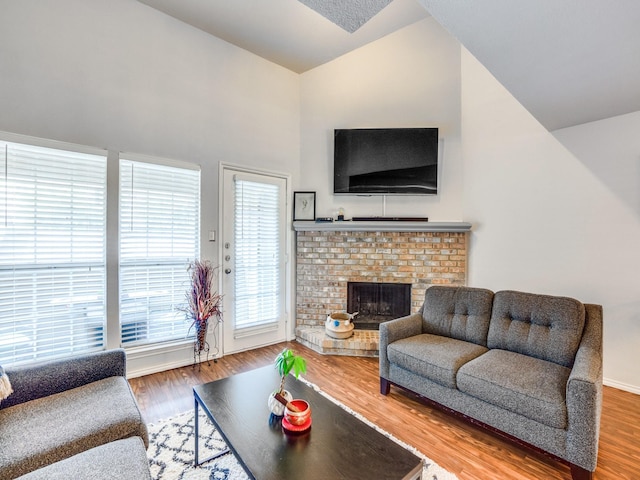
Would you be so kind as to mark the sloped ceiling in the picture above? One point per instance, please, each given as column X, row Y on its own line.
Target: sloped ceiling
column 290, row 33
column 568, row 62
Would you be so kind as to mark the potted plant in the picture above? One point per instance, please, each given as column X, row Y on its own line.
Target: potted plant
column 203, row 302
column 286, row 362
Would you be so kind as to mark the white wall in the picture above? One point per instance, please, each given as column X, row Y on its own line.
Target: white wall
column 555, row 213
column 120, row 75
column 410, row 78
column 123, row 76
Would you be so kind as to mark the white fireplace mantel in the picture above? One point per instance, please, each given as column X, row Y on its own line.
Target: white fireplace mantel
column 380, row 226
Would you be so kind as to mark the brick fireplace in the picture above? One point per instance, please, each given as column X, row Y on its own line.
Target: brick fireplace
column 330, row 256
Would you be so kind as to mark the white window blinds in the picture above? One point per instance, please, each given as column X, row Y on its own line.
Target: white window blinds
column 257, row 254
column 159, row 235
column 52, row 252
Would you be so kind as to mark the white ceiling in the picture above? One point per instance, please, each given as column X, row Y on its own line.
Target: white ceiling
column 287, row 32
column 567, row 61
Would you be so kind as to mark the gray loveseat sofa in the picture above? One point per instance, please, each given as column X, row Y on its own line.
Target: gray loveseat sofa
column 524, row 365
column 72, row 418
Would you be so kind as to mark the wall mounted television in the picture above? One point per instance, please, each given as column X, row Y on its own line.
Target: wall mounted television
column 385, row 161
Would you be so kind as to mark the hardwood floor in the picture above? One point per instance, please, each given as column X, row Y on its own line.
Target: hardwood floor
column 457, row 446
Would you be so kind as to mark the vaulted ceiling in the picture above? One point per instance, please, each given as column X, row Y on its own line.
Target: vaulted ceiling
column 291, row 33
column 567, row 61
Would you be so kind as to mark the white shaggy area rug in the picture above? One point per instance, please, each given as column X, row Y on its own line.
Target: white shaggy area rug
column 172, row 442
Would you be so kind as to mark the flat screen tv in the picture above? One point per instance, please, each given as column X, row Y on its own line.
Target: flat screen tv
column 385, row 161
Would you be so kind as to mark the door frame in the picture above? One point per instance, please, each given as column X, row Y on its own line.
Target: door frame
column 290, row 320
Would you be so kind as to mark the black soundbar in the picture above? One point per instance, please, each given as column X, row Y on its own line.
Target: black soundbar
column 390, row 219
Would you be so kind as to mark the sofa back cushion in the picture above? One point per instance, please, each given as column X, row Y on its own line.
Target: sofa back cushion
column 541, row 326
column 462, row 313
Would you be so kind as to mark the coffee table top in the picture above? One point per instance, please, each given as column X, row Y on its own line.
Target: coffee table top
column 338, row 445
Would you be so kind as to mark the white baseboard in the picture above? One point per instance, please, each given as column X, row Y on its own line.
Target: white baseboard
column 141, row 372
column 622, row 386
column 153, row 360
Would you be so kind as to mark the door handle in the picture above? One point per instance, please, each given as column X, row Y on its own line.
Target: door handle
column 227, row 271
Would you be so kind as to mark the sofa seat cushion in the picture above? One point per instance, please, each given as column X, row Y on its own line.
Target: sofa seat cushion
column 433, row 357
column 43, row 431
column 521, row 384
column 124, row 459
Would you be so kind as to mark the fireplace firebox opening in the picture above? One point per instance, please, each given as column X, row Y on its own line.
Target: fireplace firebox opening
column 377, row 302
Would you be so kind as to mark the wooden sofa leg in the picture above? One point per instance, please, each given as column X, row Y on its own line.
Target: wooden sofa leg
column 579, row 473
column 385, row 386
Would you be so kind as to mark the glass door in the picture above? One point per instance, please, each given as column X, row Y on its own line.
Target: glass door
column 253, row 262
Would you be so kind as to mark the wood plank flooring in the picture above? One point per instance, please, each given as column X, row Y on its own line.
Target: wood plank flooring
column 457, row 446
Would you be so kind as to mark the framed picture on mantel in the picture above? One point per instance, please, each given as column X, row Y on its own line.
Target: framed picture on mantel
column 304, row 206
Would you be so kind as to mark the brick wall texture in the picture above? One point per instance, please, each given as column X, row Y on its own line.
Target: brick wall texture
column 326, row 261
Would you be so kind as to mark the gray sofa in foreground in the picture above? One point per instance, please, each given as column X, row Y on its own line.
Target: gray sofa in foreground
column 523, row 365
column 73, row 418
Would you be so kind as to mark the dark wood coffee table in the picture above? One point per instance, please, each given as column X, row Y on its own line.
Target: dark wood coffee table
column 338, row 445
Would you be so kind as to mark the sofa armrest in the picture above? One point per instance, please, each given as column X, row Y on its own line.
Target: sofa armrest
column 47, row 378
column 394, row 330
column 584, row 393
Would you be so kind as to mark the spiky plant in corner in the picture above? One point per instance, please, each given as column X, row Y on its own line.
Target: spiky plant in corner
column 203, row 302
column 285, row 362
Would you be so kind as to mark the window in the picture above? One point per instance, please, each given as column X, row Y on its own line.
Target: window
column 52, row 252
column 159, row 235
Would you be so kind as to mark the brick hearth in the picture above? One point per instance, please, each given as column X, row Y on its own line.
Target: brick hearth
column 331, row 256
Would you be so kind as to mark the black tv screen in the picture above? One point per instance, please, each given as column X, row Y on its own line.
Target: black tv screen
column 381, row 161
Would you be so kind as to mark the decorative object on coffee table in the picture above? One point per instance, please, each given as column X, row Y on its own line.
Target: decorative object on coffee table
column 340, row 324
column 285, row 362
column 203, row 305
column 297, row 416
